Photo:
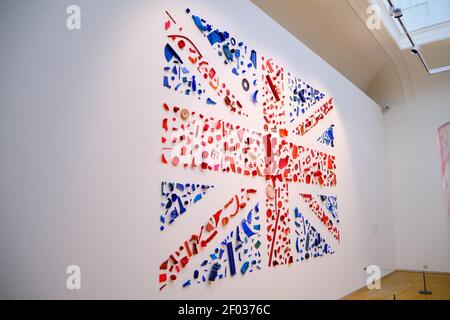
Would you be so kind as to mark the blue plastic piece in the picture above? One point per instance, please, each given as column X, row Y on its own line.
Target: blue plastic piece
column 253, row 58
column 244, row 267
column 187, row 283
column 216, row 37
column 248, row 232
column 213, row 274
column 210, row 101
column 227, row 51
column 197, row 198
column 194, row 84
column 169, row 53
column 255, row 96
column 231, row 258
column 182, row 208
column 166, row 82
column 199, row 23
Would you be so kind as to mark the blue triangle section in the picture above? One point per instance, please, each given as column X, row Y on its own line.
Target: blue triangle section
column 330, row 202
column 302, row 97
column 308, row 243
column 177, row 198
column 179, row 78
column 327, row 137
column 238, row 253
column 240, row 59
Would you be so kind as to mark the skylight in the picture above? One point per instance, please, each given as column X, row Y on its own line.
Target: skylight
column 419, row 14
column 427, row 21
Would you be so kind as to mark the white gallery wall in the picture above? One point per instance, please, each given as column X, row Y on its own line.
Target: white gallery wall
column 80, row 171
column 422, row 225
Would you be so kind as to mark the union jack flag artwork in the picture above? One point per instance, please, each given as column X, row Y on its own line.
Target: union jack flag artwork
column 242, row 235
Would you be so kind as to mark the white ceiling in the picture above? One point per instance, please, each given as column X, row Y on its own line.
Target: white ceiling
column 332, row 30
column 336, row 31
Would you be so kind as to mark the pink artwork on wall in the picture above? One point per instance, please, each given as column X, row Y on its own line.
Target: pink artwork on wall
column 444, row 146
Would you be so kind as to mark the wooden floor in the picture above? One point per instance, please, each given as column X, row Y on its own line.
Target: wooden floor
column 405, row 286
